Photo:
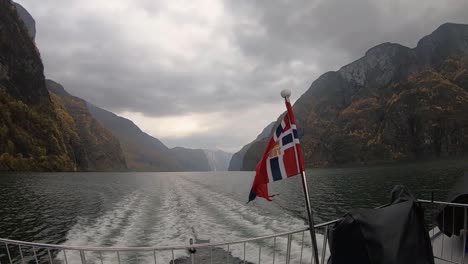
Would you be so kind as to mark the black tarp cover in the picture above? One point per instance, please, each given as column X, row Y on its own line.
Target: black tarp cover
column 394, row 234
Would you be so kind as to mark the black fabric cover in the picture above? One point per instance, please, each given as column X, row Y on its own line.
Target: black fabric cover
column 394, row 234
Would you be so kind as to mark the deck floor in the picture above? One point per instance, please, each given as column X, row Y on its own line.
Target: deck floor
column 451, row 249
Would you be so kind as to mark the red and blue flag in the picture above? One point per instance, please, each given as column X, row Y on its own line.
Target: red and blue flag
column 281, row 159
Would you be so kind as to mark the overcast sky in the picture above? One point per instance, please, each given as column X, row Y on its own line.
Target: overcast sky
column 207, row 73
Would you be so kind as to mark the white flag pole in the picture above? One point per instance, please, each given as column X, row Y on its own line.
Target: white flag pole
column 286, row 94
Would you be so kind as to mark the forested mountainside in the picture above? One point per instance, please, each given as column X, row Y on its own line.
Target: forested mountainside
column 96, row 149
column 237, row 159
column 395, row 103
column 41, row 131
column 30, row 135
column 142, row 151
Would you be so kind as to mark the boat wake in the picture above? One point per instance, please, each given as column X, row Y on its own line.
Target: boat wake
column 179, row 209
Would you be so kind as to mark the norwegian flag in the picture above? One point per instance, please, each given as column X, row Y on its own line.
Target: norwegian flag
column 281, row 159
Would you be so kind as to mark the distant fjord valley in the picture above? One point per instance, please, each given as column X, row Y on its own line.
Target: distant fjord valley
column 44, row 128
column 395, row 103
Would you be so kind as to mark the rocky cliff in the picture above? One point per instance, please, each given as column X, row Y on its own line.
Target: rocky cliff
column 42, row 131
column 95, row 148
column 395, row 103
column 27, row 19
column 30, row 135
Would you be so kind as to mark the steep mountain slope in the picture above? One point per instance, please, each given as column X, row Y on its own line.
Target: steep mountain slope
column 30, row 138
column 21, row 69
column 192, row 159
column 96, row 149
column 142, row 151
column 43, row 131
column 237, row 159
column 395, row 103
column 218, row 160
column 27, row 19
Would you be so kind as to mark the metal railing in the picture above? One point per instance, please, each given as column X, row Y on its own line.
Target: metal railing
column 288, row 247
column 449, row 249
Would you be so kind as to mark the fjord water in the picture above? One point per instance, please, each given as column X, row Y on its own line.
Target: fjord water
column 139, row 209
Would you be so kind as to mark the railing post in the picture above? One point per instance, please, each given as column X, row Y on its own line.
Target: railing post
column 83, row 257
column 302, row 247
column 8, row 252
column 244, row 254
column 324, row 247
column 464, row 234
column 35, row 255
column 50, row 256
column 21, row 254
column 227, row 257
column 192, row 251
column 453, row 231
column 211, row 255
column 65, row 257
column 274, row 249
column 259, row 254
column 288, row 249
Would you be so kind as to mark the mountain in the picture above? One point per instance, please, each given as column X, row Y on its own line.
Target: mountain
column 146, row 153
column 42, row 127
column 192, row 159
column 96, row 149
column 142, row 151
column 237, row 159
column 27, row 19
column 218, row 160
column 395, row 103
column 30, row 134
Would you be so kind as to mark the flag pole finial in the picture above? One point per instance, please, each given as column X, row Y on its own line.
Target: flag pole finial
column 286, row 93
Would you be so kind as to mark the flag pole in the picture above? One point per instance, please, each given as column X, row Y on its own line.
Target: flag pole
column 310, row 217
column 286, row 94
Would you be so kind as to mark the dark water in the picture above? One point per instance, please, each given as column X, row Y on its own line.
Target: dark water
column 137, row 209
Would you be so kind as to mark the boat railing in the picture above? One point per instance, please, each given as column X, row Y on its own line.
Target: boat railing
column 448, row 249
column 287, row 247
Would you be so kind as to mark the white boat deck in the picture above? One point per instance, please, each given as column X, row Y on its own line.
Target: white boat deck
column 448, row 249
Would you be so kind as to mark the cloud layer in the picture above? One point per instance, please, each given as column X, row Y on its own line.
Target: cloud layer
column 207, row 73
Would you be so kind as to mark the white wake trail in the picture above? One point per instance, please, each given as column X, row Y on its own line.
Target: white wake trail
column 182, row 209
column 102, row 231
column 220, row 218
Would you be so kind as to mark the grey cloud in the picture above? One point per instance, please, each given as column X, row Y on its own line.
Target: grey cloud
column 94, row 58
column 333, row 32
